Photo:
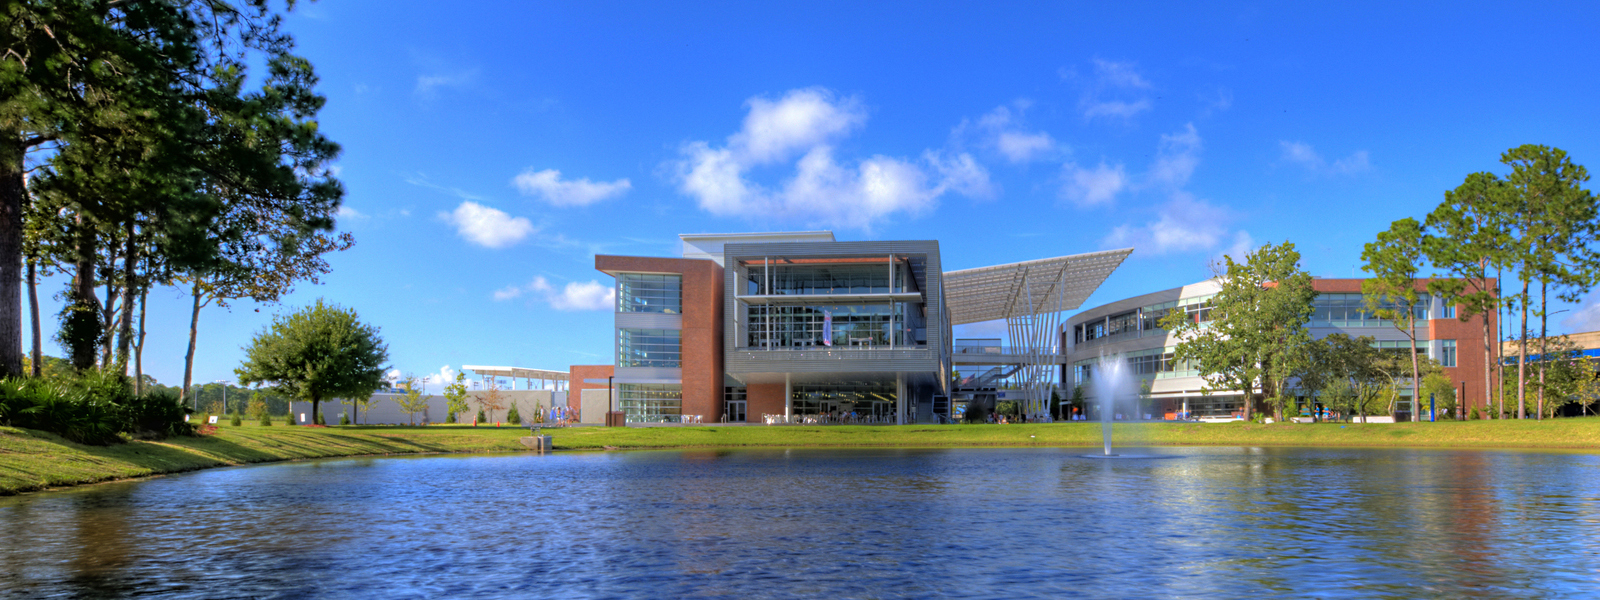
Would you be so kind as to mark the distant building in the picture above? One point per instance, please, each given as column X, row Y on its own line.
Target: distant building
column 798, row 324
column 1131, row 327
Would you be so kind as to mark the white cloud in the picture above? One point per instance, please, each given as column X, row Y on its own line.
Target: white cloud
column 1220, row 101
column 1093, row 187
column 1177, row 158
column 428, row 84
column 1585, row 319
column 1019, row 147
column 1301, row 153
column 345, row 212
column 800, row 120
column 1182, row 224
column 589, row 295
column 805, row 123
column 1004, row 130
column 547, row 185
column 962, row 174
column 1116, row 90
column 507, row 293
column 1242, row 246
column 444, row 377
column 488, row 227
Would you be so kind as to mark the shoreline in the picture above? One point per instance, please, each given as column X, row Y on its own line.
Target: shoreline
column 32, row 461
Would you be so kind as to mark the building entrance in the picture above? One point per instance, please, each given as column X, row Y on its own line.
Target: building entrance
column 733, row 411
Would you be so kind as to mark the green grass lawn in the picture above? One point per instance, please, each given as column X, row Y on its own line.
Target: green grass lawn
column 33, row 460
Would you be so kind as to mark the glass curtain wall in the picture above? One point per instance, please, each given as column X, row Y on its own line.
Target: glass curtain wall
column 650, row 348
column 1349, row 310
column 865, row 399
column 799, row 280
column 854, row 325
column 651, row 403
column 649, row 292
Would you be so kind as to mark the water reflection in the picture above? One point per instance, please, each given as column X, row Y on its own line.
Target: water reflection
column 1219, row 522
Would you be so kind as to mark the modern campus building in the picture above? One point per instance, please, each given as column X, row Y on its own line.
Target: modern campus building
column 749, row 326
column 1131, row 328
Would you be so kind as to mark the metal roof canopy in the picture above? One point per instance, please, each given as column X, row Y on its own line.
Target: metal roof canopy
column 1002, row 291
column 517, row 372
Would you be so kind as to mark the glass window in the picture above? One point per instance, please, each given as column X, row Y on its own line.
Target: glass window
column 1447, row 353
column 649, row 292
column 791, row 327
column 792, row 280
column 650, row 403
column 649, row 348
column 865, row 399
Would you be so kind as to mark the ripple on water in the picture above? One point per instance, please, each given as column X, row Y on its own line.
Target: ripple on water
column 992, row 523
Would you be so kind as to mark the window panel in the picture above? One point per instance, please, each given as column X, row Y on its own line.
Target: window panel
column 648, row 292
column 649, row 348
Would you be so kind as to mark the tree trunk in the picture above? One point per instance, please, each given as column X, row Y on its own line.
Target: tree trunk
column 1416, row 380
column 33, row 311
column 83, row 282
column 1544, row 342
column 108, row 321
column 130, row 259
column 1488, row 356
column 1522, row 355
column 194, row 329
column 1499, row 354
column 13, row 190
column 138, row 345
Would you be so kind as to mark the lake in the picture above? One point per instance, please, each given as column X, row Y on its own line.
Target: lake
column 858, row 523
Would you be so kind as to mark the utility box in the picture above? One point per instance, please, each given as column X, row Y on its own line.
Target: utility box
column 537, row 443
column 616, row 419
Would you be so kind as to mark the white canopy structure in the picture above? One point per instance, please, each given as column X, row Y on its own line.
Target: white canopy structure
column 1030, row 296
column 515, row 373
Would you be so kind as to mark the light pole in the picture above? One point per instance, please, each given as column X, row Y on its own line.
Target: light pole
column 224, row 383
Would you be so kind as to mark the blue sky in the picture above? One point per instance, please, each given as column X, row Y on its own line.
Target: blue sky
column 491, row 149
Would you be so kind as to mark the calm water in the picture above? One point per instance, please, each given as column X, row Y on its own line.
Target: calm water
column 1007, row 523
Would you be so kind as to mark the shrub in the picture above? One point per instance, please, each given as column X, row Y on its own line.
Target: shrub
column 512, row 417
column 266, row 420
column 481, row 418
column 322, row 418
column 158, row 413
column 344, row 419
column 236, row 421
column 450, row 417
column 93, row 407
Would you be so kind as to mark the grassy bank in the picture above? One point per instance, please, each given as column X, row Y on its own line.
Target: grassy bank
column 32, row 460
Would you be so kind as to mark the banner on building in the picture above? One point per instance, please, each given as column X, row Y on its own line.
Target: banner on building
column 827, row 328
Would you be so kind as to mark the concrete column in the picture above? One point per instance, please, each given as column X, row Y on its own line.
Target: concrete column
column 788, row 397
column 900, row 398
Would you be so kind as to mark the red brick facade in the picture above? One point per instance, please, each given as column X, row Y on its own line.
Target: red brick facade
column 763, row 399
column 702, row 325
column 579, row 373
column 1468, row 372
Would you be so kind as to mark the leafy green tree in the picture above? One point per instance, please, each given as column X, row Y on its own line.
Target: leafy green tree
column 1394, row 260
column 322, row 351
column 1555, row 218
column 1469, row 237
column 1257, row 333
column 412, row 402
column 1441, row 391
column 455, row 396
